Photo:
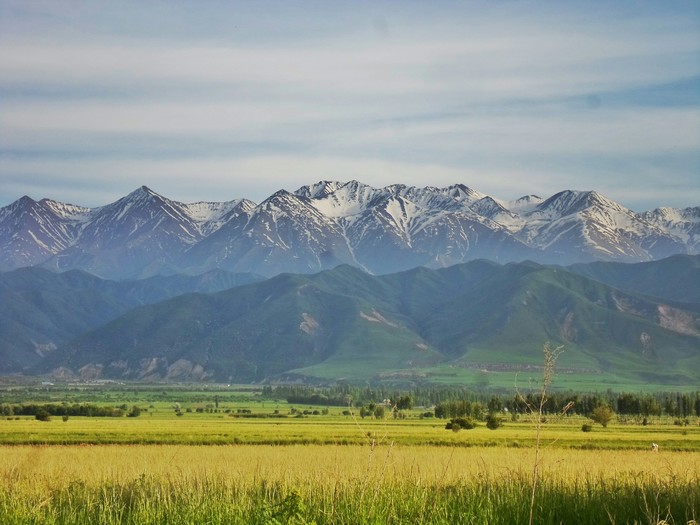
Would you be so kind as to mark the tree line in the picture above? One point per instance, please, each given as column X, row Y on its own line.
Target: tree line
column 471, row 403
column 76, row 409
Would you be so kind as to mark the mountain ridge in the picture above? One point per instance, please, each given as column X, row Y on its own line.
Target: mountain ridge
column 317, row 227
column 345, row 324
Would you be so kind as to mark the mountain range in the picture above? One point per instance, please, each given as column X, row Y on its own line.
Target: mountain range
column 346, row 324
column 343, row 281
column 321, row 226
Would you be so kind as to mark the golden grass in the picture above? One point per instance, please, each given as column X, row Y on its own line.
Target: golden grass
column 224, row 430
column 54, row 466
column 341, row 484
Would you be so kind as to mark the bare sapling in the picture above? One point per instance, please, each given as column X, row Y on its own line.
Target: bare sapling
column 536, row 408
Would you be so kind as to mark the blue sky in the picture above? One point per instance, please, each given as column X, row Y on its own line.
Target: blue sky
column 218, row 100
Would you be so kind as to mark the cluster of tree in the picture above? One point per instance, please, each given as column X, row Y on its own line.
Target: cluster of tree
column 464, row 413
column 342, row 395
column 645, row 405
column 304, row 395
column 373, row 410
column 465, row 402
column 679, row 405
column 461, row 408
column 75, row 409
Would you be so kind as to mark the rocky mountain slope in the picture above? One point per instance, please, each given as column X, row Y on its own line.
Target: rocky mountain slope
column 317, row 227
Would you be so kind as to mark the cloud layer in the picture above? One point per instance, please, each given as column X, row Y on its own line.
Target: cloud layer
column 233, row 99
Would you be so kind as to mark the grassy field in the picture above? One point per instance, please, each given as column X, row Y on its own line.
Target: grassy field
column 342, row 484
column 336, row 429
column 223, row 465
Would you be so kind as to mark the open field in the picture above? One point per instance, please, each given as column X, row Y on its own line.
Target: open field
column 235, row 457
column 336, row 429
column 342, row 484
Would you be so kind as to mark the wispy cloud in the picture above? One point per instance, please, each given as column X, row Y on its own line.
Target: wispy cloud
column 489, row 94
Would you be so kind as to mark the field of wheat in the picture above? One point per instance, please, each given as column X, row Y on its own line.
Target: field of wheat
column 335, row 484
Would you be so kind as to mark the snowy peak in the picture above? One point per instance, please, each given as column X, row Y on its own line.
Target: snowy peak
column 67, row 211
column 346, row 200
column 587, row 226
column 673, row 215
column 336, row 199
column 210, row 216
column 31, row 231
column 525, row 204
column 142, row 210
column 682, row 223
column 23, row 203
column 488, row 207
column 318, row 226
column 319, row 190
column 462, row 193
column 570, row 202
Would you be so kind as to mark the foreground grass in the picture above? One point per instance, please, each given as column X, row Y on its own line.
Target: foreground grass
column 341, row 485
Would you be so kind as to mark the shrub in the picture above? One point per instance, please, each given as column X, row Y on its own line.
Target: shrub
column 458, row 423
column 586, row 427
column 64, row 417
column 42, row 415
column 493, row 421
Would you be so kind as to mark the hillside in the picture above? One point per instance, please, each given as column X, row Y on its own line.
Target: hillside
column 347, row 324
column 675, row 278
column 40, row 310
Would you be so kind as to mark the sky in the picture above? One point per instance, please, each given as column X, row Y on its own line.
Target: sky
column 218, row 100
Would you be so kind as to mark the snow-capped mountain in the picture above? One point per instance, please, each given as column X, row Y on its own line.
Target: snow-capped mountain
column 138, row 235
column 322, row 225
column 401, row 227
column 32, row 231
column 282, row 234
column 683, row 224
column 584, row 225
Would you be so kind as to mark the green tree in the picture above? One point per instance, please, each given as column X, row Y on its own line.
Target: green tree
column 495, row 404
column 404, row 402
column 493, row 421
column 42, row 415
column 602, row 414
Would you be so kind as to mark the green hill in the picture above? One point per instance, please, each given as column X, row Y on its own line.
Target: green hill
column 40, row 310
column 676, row 278
column 445, row 325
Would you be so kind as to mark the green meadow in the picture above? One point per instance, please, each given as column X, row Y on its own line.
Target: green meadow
column 230, row 455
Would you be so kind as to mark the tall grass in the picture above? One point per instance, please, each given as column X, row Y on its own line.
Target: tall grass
column 328, row 485
column 218, row 500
